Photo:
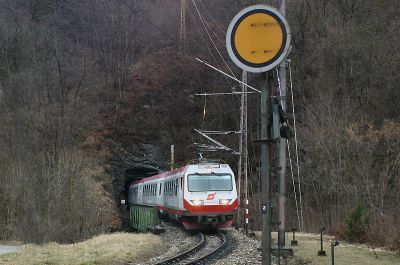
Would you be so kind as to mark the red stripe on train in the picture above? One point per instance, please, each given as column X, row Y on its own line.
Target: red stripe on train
column 210, row 208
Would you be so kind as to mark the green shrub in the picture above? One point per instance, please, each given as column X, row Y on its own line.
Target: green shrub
column 357, row 224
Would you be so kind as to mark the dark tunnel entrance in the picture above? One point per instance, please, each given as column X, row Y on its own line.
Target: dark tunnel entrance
column 133, row 174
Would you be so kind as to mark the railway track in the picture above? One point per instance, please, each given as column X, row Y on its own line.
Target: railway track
column 209, row 246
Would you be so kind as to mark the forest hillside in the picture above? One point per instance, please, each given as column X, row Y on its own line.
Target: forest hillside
column 87, row 85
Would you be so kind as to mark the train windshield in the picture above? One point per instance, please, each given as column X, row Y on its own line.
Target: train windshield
column 221, row 182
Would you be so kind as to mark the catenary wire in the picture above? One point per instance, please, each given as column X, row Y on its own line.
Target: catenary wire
column 296, row 145
column 294, row 184
column 212, row 18
column 215, row 46
column 205, row 42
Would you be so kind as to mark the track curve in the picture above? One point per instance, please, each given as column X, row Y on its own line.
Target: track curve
column 207, row 248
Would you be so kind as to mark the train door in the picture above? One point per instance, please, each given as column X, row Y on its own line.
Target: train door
column 180, row 191
column 139, row 193
column 158, row 193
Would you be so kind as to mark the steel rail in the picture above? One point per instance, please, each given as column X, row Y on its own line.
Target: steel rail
column 210, row 254
column 184, row 254
column 180, row 258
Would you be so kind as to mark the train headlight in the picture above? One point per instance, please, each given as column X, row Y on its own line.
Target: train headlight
column 197, row 202
column 224, row 201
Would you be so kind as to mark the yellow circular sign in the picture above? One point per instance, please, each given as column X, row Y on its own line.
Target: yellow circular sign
column 258, row 38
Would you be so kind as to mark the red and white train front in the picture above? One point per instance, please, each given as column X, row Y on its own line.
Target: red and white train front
column 199, row 196
column 209, row 196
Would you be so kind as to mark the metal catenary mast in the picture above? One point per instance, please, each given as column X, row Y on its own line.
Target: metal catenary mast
column 243, row 157
column 282, row 149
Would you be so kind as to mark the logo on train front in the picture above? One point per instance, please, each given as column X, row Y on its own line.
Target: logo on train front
column 211, row 196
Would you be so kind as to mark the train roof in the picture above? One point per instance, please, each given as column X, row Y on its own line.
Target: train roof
column 194, row 163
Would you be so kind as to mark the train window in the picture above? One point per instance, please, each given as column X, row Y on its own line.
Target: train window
column 204, row 182
column 176, row 187
column 159, row 193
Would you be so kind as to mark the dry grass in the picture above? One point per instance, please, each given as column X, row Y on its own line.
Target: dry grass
column 354, row 254
column 118, row 248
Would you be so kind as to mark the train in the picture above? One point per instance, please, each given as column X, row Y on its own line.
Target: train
column 199, row 195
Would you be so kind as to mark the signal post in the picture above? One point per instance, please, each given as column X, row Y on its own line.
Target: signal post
column 258, row 40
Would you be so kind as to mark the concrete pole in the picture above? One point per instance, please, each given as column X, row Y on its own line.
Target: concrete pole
column 265, row 170
column 282, row 150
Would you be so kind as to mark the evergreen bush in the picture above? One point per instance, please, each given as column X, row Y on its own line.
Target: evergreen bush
column 357, row 224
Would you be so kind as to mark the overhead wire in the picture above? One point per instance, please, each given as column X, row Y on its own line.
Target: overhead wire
column 215, row 23
column 215, row 34
column 205, row 25
column 211, row 53
column 212, row 18
column 296, row 146
column 236, row 97
column 205, row 42
column 294, row 184
column 211, row 39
